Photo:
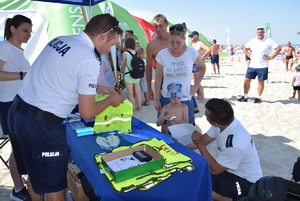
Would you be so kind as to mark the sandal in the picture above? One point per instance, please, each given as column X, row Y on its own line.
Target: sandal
column 145, row 104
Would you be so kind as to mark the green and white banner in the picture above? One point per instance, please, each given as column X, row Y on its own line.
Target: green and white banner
column 54, row 19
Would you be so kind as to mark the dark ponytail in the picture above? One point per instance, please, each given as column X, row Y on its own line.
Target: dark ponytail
column 16, row 21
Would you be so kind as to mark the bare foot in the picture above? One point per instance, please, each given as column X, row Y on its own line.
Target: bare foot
column 201, row 100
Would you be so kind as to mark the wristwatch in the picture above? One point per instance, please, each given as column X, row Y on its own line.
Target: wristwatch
column 21, row 75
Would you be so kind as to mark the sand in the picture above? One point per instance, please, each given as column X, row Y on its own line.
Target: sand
column 273, row 124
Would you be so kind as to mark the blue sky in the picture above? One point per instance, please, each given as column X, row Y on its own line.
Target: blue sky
column 211, row 17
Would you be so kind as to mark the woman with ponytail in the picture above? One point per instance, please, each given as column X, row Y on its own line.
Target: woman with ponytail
column 13, row 68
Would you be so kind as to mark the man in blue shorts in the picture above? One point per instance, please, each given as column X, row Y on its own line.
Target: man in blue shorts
column 259, row 54
column 64, row 75
column 215, row 49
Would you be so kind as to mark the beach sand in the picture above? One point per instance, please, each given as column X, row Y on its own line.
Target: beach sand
column 273, row 124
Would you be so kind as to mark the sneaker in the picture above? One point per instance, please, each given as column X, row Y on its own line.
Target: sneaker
column 22, row 195
column 257, row 100
column 242, row 99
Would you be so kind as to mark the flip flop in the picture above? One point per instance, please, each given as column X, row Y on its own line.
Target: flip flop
column 145, row 104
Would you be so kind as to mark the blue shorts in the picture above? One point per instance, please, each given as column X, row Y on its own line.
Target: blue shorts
column 40, row 148
column 261, row 73
column 214, row 59
column 188, row 103
column 4, row 107
column 196, row 68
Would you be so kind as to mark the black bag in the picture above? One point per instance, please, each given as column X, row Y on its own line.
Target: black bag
column 88, row 188
column 138, row 66
column 293, row 191
column 269, row 188
column 296, row 171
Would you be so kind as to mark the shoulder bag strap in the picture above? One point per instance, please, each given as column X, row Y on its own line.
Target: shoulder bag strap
column 126, row 64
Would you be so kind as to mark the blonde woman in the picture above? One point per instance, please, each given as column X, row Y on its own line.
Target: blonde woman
column 175, row 64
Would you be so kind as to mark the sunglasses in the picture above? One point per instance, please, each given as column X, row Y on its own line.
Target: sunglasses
column 260, row 29
column 27, row 31
column 176, row 28
column 109, row 30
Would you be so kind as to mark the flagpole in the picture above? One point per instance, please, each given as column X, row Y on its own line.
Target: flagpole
column 268, row 33
column 228, row 39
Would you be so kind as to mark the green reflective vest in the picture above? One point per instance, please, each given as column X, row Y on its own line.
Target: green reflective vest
column 114, row 118
column 173, row 162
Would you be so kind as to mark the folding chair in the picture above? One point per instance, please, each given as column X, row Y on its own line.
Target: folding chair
column 4, row 140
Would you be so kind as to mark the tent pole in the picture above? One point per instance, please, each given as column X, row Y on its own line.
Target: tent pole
column 84, row 15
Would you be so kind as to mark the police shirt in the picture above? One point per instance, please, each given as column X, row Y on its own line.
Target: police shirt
column 65, row 68
column 236, row 151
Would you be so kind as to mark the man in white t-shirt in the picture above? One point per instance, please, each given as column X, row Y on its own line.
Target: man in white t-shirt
column 236, row 166
column 259, row 54
column 64, row 75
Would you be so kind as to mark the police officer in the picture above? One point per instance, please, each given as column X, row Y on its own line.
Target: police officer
column 236, row 166
column 64, row 75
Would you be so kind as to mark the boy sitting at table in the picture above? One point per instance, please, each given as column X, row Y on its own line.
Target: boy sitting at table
column 175, row 112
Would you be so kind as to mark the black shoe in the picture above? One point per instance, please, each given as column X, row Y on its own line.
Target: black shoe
column 145, row 104
column 257, row 100
column 22, row 195
column 242, row 99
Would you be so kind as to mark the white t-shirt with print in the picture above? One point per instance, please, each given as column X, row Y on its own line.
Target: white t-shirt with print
column 65, row 68
column 260, row 48
column 177, row 69
column 14, row 62
column 236, row 151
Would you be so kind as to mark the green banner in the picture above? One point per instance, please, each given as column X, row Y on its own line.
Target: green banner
column 268, row 34
column 60, row 19
column 268, row 30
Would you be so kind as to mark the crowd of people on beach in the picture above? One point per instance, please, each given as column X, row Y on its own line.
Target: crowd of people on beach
column 58, row 80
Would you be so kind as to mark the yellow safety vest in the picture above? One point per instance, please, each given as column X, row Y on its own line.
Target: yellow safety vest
column 173, row 162
column 114, row 118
